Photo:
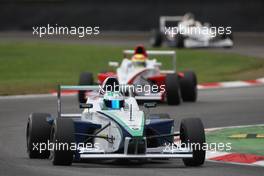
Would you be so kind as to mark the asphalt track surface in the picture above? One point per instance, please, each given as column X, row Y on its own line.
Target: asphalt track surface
column 219, row 107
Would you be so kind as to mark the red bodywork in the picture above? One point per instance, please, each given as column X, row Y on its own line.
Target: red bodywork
column 158, row 79
column 102, row 76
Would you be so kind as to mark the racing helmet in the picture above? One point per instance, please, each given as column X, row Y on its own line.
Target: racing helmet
column 140, row 56
column 114, row 100
column 139, row 60
column 140, row 49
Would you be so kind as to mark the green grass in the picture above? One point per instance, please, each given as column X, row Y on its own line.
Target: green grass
column 251, row 146
column 37, row 67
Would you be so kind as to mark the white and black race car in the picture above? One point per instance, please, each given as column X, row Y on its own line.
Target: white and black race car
column 190, row 33
column 112, row 126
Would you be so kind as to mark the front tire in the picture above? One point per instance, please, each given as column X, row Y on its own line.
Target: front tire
column 188, row 85
column 62, row 133
column 86, row 78
column 38, row 133
column 173, row 89
column 192, row 134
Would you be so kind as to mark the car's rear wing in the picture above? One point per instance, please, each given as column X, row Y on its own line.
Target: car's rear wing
column 97, row 88
column 164, row 19
column 72, row 88
column 171, row 53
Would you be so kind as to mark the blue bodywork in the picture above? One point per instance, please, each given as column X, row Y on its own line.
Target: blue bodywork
column 154, row 126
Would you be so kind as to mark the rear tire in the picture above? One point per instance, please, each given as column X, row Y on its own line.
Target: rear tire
column 227, row 36
column 173, row 89
column 38, row 132
column 156, row 39
column 188, row 86
column 192, row 132
column 179, row 41
column 86, row 78
column 62, row 132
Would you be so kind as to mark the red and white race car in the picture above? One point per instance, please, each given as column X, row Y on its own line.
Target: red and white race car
column 149, row 82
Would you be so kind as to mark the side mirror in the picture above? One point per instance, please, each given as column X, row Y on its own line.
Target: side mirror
column 84, row 105
column 150, row 105
column 113, row 64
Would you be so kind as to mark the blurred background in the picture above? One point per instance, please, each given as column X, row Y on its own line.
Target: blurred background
column 37, row 65
column 136, row 15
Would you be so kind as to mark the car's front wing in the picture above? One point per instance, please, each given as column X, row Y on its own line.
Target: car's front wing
column 155, row 153
column 136, row 156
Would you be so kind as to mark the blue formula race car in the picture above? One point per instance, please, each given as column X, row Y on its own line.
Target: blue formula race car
column 112, row 126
